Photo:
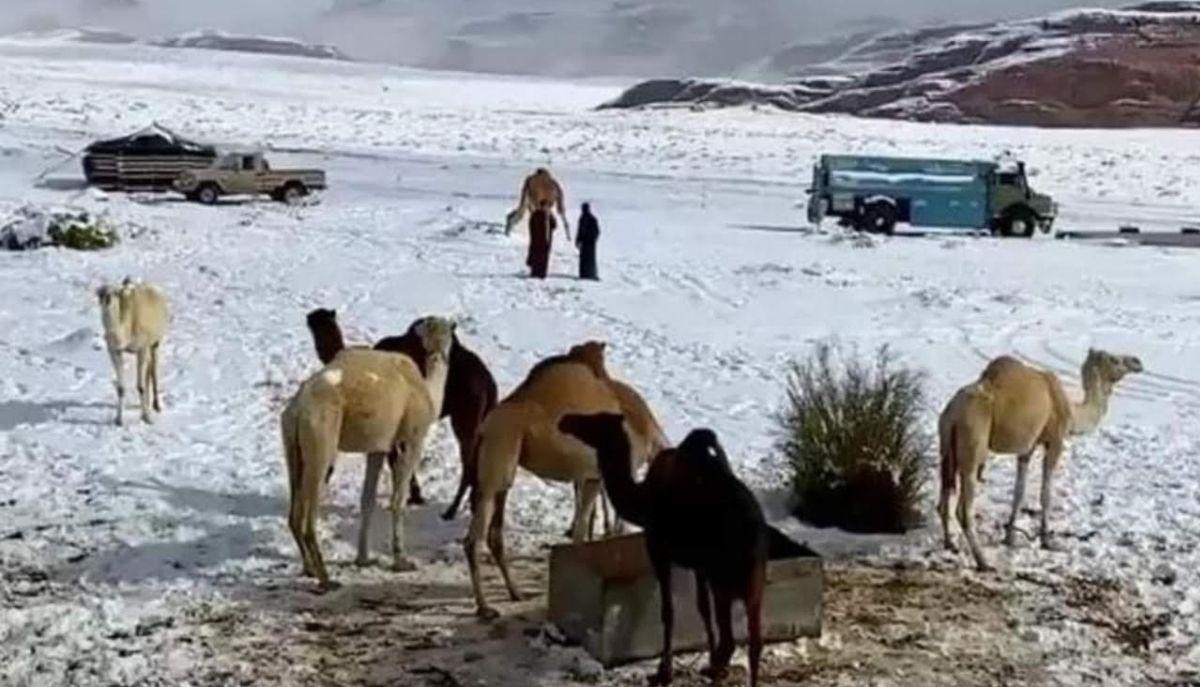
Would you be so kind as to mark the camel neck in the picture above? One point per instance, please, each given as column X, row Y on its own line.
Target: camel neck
column 1088, row 414
column 437, row 370
column 616, row 468
column 328, row 339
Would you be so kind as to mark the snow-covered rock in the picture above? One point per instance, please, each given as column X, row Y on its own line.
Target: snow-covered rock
column 1125, row 67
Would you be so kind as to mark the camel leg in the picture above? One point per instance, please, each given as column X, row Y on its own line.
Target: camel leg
column 143, row 379
column 966, row 518
column 310, row 494
column 294, row 460
column 401, row 478
column 662, row 570
column 483, row 508
column 154, row 377
column 585, row 505
column 414, row 490
column 1010, row 535
column 118, row 363
column 1049, row 462
column 723, row 601
column 415, row 497
column 366, row 504
column 496, row 546
column 704, row 605
column 754, row 600
column 947, row 495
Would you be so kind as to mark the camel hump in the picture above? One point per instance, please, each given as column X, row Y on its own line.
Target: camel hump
column 590, row 353
column 1001, row 367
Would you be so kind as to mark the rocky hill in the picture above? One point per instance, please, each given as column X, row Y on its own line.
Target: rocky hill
column 1138, row 66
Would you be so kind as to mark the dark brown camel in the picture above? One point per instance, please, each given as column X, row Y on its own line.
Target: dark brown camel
column 470, row 388
column 696, row 514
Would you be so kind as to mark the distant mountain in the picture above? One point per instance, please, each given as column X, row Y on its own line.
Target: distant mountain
column 1138, row 66
column 200, row 40
column 269, row 45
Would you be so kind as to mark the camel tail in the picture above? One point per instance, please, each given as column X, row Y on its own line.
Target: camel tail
column 949, row 451
column 467, row 480
column 292, row 455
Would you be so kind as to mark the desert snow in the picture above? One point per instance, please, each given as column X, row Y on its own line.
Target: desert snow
column 113, row 539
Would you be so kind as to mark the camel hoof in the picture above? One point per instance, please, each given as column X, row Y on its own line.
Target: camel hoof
column 328, row 586
column 448, row 516
column 714, row 672
column 950, row 546
column 487, row 613
column 1010, row 535
column 403, row 565
column 148, row 419
column 1052, row 545
column 516, row 595
column 662, row 677
column 362, row 561
column 984, row 566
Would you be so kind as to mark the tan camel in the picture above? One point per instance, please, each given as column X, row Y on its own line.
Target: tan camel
column 364, row 401
column 135, row 321
column 523, row 430
column 1013, row 409
column 540, row 189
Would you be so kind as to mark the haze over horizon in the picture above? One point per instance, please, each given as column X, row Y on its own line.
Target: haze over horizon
column 581, row 37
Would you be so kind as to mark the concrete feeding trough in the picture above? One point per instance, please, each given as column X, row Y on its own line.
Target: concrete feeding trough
column 604, row 596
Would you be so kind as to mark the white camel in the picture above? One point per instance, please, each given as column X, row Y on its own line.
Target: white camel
column 364, row 401
column 135, row 321
column 1013, row 409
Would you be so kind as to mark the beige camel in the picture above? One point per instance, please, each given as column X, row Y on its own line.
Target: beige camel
column 1013, row 409
column 523, row 430
column 540, row 190
column 135, row 321
column 364, row 401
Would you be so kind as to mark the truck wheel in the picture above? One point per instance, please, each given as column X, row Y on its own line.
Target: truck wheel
column 879, row 218
column 1018, row 221
column 208, row 194
column 293, row 193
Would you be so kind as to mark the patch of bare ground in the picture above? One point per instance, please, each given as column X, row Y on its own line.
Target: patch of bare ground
column 905, row 625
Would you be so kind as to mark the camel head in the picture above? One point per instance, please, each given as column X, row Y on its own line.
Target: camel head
column 701, row 447
column 321, row 316
column 1108, row 368
column 436, row 334
column 596, row 430
column 110, row 297
column 590, row 353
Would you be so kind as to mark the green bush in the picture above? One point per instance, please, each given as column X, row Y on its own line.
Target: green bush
column 82, row 234
column 853, row 437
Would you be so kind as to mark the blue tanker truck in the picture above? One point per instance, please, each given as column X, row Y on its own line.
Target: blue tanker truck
column 874, row 193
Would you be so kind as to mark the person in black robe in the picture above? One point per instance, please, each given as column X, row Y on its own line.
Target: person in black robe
column 541, row 237
column 587, row 234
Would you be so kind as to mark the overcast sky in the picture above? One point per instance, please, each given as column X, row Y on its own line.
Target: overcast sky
column 419, row 31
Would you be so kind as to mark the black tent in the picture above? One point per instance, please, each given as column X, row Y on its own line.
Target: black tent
column 149, row 159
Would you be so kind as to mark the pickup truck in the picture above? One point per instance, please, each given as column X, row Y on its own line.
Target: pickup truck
column 238, row 174
column 874, row 193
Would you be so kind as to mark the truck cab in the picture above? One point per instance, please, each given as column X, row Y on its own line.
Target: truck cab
column 1016, row 209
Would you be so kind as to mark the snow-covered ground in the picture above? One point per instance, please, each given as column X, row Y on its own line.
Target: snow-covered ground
column 127, row 555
